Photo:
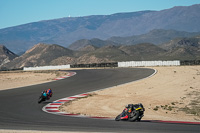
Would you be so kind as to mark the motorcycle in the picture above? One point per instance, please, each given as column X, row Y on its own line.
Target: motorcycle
column 43, row 97
column 132, row 112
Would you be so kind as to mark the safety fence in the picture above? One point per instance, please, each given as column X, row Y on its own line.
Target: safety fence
column 113, row 64
column 148, row 63
column 46, row 67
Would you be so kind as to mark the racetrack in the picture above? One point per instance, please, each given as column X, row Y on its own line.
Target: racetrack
column 19, row 108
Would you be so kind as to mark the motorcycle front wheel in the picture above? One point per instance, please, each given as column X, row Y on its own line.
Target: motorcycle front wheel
column 118, row 118
column 134, row 116
column 40, row 99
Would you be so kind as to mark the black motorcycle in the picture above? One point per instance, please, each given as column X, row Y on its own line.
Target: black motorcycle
column 132, row 112
column 43, row 97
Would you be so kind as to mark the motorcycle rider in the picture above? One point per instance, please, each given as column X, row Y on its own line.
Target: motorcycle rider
column 126, row 111
column 44, row 93
column 49, row 93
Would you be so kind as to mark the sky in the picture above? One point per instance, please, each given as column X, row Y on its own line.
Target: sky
column 17, row 12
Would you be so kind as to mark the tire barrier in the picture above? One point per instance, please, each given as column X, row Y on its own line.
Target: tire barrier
column 14, row 69
column 190, row 62
column 114, row 64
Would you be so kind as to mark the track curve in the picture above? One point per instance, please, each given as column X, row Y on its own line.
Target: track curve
column 19, row 108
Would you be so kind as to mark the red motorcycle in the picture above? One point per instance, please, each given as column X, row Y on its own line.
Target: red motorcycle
column 132, row 112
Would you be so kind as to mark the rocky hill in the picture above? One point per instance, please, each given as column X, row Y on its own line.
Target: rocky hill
column 6, row 55
column 39, row 55
column 87, row 48
column 67, row 30
column 183, row 48
column 78, row 45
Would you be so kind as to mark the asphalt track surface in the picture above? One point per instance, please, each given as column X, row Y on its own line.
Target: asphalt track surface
column 19, row 108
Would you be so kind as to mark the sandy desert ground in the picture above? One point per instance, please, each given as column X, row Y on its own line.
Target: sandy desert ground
column 171, row 94
column 15, row 79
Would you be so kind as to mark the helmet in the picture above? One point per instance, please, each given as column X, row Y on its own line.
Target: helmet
column 49, row 91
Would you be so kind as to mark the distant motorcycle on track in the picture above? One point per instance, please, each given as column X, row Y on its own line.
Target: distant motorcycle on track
column 43, row 97
column 46, row 94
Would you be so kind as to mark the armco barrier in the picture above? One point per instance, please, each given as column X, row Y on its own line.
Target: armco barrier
column 46, row 67
column 148, row 63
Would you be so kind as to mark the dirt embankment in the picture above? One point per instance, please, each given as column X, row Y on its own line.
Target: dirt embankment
column 172, row 94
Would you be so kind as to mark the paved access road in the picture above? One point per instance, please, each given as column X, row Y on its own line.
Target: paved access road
column 19, row 108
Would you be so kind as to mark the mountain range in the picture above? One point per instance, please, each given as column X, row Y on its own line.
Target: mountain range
column 52, row 54
column 156, row 36
column 65, row 31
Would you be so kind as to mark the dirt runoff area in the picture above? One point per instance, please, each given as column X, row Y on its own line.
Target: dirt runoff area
column 15, row 79
column 173, row 93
